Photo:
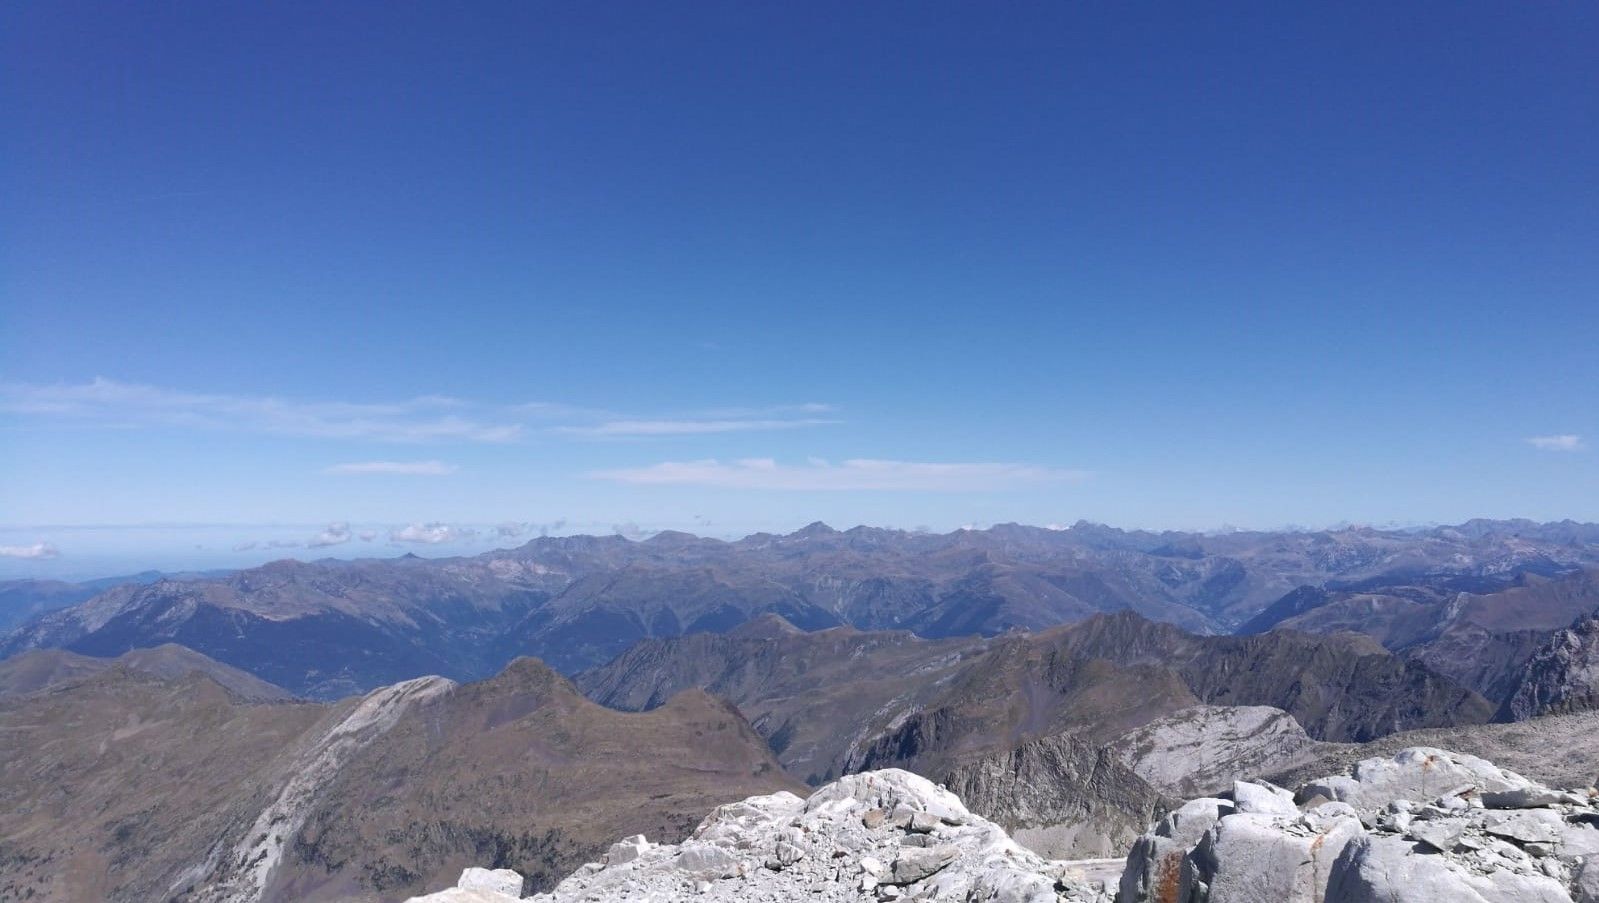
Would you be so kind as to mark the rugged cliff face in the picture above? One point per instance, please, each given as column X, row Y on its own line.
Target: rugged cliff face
column 1060, row 797
column 1563, row 676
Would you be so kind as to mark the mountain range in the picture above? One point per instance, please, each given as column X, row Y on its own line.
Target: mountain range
column 330, row 628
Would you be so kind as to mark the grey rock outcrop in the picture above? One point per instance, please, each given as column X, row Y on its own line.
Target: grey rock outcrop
column 1423, row 826
column 1202, row 749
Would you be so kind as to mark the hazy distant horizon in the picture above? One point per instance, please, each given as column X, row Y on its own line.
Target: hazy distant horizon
column 89, row 552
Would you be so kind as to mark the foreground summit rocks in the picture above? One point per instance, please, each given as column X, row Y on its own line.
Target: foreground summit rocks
column 1422, row 826
column 1425, row 825
column 882, row 835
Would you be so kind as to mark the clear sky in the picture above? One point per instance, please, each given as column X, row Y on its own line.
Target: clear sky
column 727, row 267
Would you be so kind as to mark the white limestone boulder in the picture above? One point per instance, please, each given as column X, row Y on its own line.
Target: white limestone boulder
column 1426, row 826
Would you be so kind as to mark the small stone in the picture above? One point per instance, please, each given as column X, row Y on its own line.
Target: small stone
column 1442, row 835
column 873, row 819
column 915, row 864
column 923, row 822
column 499, row 881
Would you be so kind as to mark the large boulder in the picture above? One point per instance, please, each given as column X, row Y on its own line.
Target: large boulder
column 1387, row 869
column 1157, row 862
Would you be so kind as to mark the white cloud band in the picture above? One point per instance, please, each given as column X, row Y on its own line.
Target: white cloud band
column 39, row 550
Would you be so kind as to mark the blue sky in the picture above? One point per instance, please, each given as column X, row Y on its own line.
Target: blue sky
column 727, row 267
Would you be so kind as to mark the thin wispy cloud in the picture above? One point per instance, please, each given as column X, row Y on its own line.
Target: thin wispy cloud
column 395, row 468
column 627, row 428
column 423, row 419
column 1564, row 442
column 852, row 475
column 37, row 551
column 106, row 402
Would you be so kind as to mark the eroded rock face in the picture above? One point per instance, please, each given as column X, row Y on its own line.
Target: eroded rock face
column 1425, row 825
column 1561, row 677
column 875, row 836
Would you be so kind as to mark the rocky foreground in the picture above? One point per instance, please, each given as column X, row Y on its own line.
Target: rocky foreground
column 1425, row 825
column 881, row 835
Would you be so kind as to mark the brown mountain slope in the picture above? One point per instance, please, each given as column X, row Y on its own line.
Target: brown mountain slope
column 117, row 783
column 124, row 785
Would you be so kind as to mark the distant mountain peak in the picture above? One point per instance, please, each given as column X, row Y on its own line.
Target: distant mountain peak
column 814, row 528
